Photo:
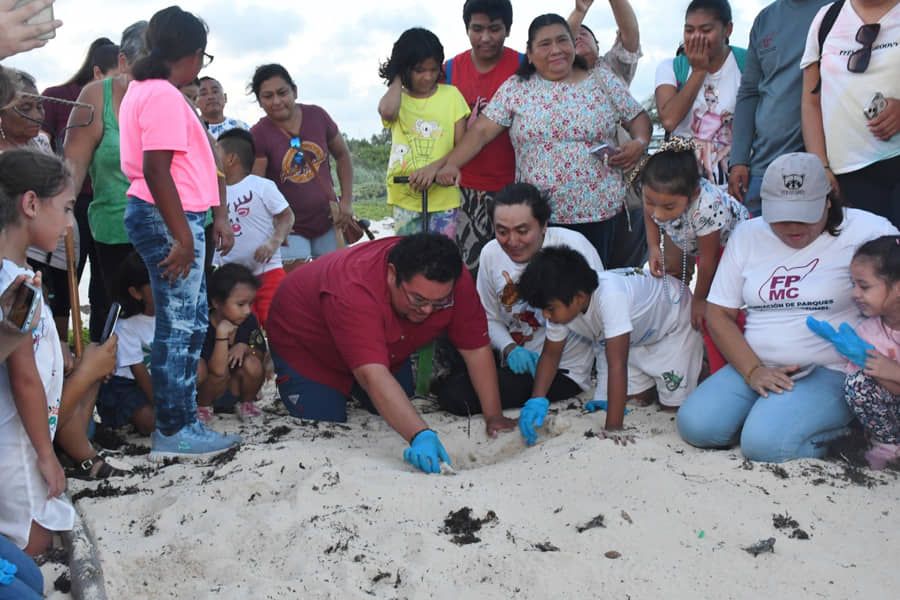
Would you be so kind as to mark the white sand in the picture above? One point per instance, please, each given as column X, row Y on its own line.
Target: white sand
column 325, row 510
column 331, row 511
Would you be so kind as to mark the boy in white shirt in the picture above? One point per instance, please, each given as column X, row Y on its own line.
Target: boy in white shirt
column 260, row 219
column 649, row 340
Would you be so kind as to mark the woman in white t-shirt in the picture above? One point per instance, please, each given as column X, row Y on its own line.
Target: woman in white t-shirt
column 696, row 93
column 781, row 395
column 519, row 214
column 851, row 101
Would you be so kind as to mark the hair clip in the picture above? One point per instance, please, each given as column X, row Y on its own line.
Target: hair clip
column 678, row 144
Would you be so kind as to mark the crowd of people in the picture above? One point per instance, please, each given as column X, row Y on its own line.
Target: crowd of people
column 527, row 203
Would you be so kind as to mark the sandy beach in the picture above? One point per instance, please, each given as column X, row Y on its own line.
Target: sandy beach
column 306, row 510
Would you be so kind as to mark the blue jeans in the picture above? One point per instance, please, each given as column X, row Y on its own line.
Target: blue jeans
column 308, row 399
column 781, row 427
column 28, row 582
column 181, row 314
column 301, row 248
column 751, row 196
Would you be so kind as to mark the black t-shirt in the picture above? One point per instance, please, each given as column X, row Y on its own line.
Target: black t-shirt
column 248, row 333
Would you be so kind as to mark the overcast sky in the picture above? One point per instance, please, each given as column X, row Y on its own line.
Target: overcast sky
column 333, row 49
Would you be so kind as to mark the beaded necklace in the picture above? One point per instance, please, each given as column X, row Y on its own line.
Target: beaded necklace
column 662, row 252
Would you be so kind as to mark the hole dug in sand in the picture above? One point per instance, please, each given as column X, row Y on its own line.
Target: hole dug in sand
column 471, row 453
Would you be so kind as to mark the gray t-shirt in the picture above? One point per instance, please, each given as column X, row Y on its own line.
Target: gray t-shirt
column 767, row 113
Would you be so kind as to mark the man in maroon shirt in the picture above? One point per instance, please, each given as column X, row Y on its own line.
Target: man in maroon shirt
column 346, row 324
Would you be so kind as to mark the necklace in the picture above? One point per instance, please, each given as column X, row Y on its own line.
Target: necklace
column 662, row 252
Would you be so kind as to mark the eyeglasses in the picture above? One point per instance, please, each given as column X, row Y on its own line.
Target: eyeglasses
column 297, row 145
column 418, row 302
column 207, row 59
column 866, row 35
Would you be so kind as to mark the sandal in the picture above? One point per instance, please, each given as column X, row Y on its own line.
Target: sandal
column 94, row 468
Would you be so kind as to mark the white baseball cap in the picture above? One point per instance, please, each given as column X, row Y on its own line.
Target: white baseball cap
column 794, row 188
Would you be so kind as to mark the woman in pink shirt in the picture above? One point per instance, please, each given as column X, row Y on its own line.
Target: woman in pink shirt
column 168, row 160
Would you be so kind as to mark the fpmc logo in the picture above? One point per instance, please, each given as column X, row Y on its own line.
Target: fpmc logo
column 783, row 283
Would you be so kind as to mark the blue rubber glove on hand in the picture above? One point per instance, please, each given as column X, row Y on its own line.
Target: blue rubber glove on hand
column 426, row 452
column 521, row 360
column 595, row 405
column 532, row 416
column 845, row 340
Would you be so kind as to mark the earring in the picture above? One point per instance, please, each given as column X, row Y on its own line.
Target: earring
column 2, row 133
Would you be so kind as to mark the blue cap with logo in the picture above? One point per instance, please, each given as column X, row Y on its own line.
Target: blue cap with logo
column 794, row 188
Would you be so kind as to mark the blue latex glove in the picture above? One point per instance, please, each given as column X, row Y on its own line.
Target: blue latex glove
column 532, row 416
column 7, row 572
column 845, row 340
column 521, row 360
column 595, row 405
column 426, row 452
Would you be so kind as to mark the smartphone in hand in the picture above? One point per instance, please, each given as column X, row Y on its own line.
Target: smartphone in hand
column 603, row 151
column 24, row 308
column 44, row 16
column 112, row 317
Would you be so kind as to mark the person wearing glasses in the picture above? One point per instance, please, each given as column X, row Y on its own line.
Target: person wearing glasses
column 851, row 101
column 345, row 325
column 294, row 147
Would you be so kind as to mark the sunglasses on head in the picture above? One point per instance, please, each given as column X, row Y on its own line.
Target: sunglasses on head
column 297, row 145
column 866, row 35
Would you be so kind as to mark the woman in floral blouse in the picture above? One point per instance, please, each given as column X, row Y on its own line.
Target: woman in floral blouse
column 556, row 111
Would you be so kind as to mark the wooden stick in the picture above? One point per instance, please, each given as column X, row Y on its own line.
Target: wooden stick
column 72, row 276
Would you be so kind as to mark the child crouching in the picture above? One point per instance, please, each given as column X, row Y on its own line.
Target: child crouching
column 234, row 351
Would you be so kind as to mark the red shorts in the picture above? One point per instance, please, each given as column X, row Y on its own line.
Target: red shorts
column 269, row 282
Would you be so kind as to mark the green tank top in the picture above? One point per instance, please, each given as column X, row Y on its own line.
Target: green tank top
column 106, row 212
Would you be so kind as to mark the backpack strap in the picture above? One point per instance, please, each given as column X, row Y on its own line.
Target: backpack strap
column 522, row 58
column 825, row 26
column 740, row 56
column 448, row 71
column 682, row 67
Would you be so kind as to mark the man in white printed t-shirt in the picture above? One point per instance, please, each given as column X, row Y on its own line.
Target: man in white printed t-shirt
column 649, row 341
column 260, row 219
column 211, row 100
column 519, row 213
column 781, row 395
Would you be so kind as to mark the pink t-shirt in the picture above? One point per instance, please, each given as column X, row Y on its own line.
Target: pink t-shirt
column 155, row 116
column 876, row 333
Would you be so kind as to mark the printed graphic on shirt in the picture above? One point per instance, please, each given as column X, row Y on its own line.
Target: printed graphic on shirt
column 526, row 321
column 240, row 208
column 422, row 141
column 673, row 380
column 712, row 131
column 300, row 165
column 782, row 286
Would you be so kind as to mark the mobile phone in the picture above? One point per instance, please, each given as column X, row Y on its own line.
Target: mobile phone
column 44, row 16
column 24, row 307
column 112, row 317
column 876, row 106
column 603, row 151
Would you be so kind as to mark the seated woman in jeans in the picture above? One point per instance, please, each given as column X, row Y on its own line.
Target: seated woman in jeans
column 781, row 396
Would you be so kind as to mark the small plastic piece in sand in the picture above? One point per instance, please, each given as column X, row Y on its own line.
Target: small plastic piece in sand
column 612, row 554
column 761, row 546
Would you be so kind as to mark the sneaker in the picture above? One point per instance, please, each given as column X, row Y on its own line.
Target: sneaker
column 248, row 410
column 880, row 454
column 205, row 414
column 191, row 441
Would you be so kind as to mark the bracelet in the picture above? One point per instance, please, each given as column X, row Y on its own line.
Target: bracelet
column 413, row 438
column 225, row 339
column 751, row 372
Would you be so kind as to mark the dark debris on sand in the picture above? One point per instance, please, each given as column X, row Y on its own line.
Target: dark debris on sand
column 778, row 471
column 276, row 433
column 546, row 547
column 56, row 556
column 761, row 547
column 597, row 521
column 224, row 458
column 784, row 521
column 63, row 584
column 462, row 526
column 107, row 490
